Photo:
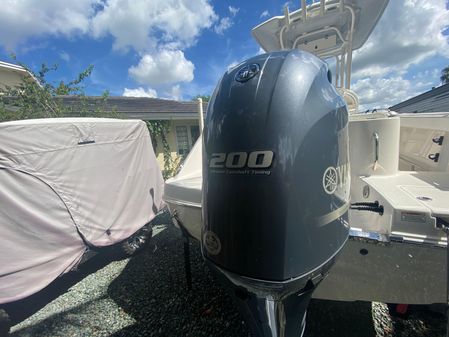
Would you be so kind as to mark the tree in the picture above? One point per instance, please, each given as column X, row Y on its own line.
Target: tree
column 160, row 129
column 205, row 98
column 36, row 97
column 445, row 75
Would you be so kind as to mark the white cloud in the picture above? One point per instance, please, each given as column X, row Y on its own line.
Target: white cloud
column 175, row 93
column 224, row 24
column 407, row 36
column 145, row 25
column 409, row 32
column 158, row 30
column 264, row 14
column 233, row 10
column 385, row 92
column 64, row 56
column 23, row 19
column 162, row 68
column 140, row 24
column 139, row 92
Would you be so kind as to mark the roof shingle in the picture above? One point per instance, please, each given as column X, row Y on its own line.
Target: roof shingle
column 133, row 105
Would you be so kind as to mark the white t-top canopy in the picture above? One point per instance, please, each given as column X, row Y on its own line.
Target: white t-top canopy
column 324, row 26
column 327, row 28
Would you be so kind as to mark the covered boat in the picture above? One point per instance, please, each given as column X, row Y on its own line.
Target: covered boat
column 67, row 185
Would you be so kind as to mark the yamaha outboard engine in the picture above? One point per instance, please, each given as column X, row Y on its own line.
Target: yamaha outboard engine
column 275, row 185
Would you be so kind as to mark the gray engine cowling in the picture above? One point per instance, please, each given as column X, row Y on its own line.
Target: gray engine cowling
column 275, row 174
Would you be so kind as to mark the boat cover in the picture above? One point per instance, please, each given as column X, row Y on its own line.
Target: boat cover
column 66, row 184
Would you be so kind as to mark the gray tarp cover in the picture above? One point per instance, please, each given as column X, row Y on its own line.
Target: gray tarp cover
column 61, row 179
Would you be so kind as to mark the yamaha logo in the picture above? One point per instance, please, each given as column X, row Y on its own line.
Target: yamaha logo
column 247, row 72
column 330, row 180
column 334, row 177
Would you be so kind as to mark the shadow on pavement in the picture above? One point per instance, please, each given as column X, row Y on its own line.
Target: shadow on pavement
column 22, row 309
column 152, row 289
column 333, row 318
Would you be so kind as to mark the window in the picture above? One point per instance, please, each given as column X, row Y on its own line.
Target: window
column 186, row 136
column 194, row 133
column 182, row 138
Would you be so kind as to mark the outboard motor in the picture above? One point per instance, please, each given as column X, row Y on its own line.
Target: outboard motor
column 275, row 185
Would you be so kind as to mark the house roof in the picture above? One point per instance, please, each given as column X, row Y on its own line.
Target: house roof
column 435, row 100
column 12, row 67
column 140, row 107
column 16, row 74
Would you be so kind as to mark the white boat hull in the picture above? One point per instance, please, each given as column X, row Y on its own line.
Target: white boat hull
column 188, row 216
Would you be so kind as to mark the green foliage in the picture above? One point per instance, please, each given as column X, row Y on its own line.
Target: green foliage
column 445, row 75
column 74, row 87
column 161, row 128
column 36, row 97
column 205, row 98
column 29, row 100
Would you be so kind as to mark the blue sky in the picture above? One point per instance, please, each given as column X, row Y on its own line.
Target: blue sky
column 179, row 48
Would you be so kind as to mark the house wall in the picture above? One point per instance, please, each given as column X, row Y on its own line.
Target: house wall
column 172, row 141
column 9, row 78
